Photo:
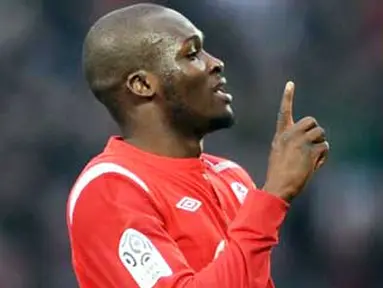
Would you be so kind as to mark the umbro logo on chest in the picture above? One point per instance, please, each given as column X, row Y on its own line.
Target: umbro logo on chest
column 189, row 204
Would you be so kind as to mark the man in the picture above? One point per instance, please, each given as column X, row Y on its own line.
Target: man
column 153, row 210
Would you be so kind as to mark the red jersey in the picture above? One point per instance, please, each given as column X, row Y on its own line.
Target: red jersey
column 141, row 220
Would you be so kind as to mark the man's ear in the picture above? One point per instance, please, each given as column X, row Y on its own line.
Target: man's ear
column 142, row 83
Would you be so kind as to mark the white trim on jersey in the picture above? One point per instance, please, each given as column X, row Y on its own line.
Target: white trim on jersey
column 95, row 172
column 221, row 166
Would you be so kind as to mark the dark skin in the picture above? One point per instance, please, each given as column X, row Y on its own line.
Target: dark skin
column 178, row 121
column 170, row 100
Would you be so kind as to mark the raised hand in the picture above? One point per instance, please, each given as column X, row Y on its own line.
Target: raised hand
column 298, row 149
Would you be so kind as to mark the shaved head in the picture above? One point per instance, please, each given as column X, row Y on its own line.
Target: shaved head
column 146, row 63
column 116, row 44
column 122, row 42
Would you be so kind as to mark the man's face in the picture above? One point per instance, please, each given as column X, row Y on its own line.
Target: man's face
column 193, row 85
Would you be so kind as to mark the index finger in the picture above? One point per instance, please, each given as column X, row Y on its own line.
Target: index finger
column 285, row 114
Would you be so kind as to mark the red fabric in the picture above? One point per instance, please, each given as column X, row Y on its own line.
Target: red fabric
column 186, row 237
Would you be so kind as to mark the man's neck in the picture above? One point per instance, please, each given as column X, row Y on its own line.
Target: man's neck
column 165, row 144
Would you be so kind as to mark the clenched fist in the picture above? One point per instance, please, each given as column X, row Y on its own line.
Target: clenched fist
column 297, row 151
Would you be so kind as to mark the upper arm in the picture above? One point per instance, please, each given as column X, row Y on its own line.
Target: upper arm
column 119, row 236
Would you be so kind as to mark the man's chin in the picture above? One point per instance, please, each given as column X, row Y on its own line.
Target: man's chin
column 221, row 122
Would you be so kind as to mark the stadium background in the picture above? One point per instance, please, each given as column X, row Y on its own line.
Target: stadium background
column 51, row 125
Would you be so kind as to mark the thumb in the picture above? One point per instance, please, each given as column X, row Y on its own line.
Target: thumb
column 285, row 114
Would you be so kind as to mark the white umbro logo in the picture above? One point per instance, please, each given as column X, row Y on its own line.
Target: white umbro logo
column 189, row 204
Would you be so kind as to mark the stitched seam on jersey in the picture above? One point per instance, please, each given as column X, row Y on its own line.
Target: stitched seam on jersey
column 94, row 172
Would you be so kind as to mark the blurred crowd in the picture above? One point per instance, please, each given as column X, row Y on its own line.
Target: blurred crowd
column 51, row 125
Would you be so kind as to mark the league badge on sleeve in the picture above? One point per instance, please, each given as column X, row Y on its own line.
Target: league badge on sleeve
column 142, row 259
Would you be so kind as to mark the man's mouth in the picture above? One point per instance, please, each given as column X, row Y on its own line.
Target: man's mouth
column 220, row 91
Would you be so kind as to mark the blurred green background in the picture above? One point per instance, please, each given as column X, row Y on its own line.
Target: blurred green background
column 51, row 125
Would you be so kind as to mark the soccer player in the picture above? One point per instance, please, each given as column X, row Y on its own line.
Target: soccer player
column 153, row 210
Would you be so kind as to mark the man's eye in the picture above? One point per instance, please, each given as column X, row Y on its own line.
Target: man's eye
column 193, row 55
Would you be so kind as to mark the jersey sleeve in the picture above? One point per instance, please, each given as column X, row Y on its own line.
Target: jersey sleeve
column 119, row 239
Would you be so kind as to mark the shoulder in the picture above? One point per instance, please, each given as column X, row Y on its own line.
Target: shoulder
column 96, row 169
column 107, row 164
column 104, row 179
column 220, row 164
column 229, row 167
column 233, row 174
